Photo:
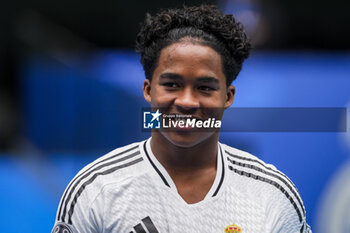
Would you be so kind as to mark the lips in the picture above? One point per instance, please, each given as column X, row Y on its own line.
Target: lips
column 183, row 116
column 180, row 123
column 184, row 119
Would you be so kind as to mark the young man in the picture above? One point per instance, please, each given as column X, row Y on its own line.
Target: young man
column 184, row 180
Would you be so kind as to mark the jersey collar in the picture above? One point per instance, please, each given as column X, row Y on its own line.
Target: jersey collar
column 166, row 179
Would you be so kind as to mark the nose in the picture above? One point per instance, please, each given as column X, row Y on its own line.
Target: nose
column 187, row 99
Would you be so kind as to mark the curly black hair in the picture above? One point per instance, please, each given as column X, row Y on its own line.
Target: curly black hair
column 203, row 24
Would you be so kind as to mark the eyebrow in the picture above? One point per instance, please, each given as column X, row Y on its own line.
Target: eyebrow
column 207, row 79
column 170, row 76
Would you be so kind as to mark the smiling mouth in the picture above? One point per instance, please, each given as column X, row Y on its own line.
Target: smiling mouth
column 183, row 116
column 189, row 124
column 181, row 124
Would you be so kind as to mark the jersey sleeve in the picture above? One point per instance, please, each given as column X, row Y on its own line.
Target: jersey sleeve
column 79, row 212
column 86, row 216
column 286, row 214
column 288, row 225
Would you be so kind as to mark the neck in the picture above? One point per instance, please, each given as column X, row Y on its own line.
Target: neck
column 189, row 160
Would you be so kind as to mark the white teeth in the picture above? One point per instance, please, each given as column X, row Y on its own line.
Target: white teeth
column 180, row 119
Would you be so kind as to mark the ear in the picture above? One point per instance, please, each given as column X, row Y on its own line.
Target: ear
column 230, row 95
column 147, row 90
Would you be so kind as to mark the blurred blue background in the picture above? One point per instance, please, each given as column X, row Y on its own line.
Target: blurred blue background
column 72, row 110
column 68, row 97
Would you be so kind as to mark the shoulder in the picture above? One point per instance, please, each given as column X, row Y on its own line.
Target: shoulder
column 112, row 168
column 244, row 159
column 264, row 182
column 115, row 166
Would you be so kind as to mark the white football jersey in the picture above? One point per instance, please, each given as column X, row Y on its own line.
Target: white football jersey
column 129, row 191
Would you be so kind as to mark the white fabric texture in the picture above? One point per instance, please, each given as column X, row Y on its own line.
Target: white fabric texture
column 128, row 190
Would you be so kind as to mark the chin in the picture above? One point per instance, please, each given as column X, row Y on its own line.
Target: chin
column 186, row 139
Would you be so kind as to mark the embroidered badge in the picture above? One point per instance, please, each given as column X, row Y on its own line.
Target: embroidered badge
column 233, row 229
column 61, row 227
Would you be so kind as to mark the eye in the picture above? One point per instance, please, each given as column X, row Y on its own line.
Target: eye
column 171, row 85
column 206, row 88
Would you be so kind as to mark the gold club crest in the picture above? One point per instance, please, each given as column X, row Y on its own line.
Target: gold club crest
column 233, row 229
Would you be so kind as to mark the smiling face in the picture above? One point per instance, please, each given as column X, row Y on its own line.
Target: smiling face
column 189, row 80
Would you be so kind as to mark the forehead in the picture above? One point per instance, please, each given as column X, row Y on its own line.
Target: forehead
column 190, row 59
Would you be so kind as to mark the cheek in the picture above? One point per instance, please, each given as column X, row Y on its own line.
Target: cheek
column 161, row 97
column 216, row 100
